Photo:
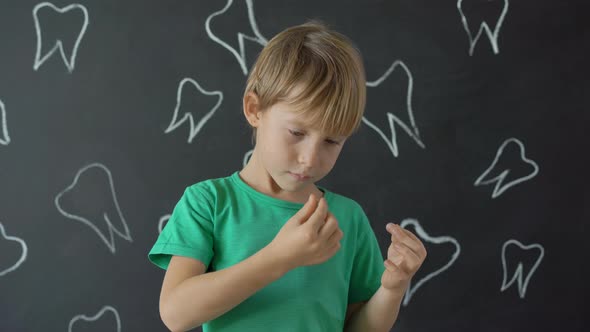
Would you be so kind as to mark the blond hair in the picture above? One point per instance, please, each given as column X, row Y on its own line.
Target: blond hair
column 317, row 71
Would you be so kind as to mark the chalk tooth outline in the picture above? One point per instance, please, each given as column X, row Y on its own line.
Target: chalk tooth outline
column 518, row 272
column 23, row 245
column 111, row 228
column 492, row 36
column 413, row 132
column 96, row 317
column 59, row 44
column 188, row 116
column 499, row 189
column 436, row 240
column 5, row 139
column 258, row 38
column 162, row 221
column 247, row 157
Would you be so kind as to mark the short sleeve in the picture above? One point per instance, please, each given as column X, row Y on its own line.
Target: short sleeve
column 189, row 231
column 367, row 267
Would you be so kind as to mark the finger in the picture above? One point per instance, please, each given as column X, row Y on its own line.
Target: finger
column 333, row 249
column 336, row 236
column 406, row 237
column 406, row 258
column 395, row 255
column 393, row 268
column 420, row 250
column 390, row 227
column 307, row 210
column 329, row 227
column 316, row 220
column 389, row 265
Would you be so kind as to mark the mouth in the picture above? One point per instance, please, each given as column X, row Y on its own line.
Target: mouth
column 300, row 177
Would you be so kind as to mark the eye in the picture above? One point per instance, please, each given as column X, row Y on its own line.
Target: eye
column 332, row 142
column 295, row 133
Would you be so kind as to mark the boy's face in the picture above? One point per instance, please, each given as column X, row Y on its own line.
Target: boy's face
column 293, row 154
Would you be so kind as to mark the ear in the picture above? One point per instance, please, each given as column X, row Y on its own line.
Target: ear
column 251, row 109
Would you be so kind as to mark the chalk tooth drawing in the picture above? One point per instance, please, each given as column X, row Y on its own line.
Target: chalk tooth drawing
column 24, row 250
column 257, row 38
column 4, row 137
column 163, row 220
column 429, row 239
column 518, row 273
column 412, row 129
column 122, row 230
column 492, row 36
column 96, row 317
column 247, row 157
column 502, row 175
column 71, row 61
column 188, row 116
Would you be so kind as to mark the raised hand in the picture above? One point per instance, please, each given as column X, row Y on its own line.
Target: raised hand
column 310, row 237
column 404, row 257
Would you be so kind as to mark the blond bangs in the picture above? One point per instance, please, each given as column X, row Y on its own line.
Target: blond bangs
column 330, row 106
column 316, row 71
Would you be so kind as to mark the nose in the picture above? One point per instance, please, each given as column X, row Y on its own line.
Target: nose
column 309, row 155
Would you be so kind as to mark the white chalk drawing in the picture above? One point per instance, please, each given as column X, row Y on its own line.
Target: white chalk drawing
column 23, row 255
column 123, row 232
column 429, row 239
column 96, row 317
column 493, row 36
column 4, row 137
column 413, row 131
column 501, row 177
column 188, row 116
column 163, row 220
column 518, row 273
column 71, row 61
column 247, row 157
column 258, row 38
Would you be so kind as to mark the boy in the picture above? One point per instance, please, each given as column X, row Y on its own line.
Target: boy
column 267, row 249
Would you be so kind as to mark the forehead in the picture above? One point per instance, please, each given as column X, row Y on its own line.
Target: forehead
column 287, row 113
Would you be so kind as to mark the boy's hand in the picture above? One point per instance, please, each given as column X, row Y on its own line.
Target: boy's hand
column 404, row 257
column 310, row 237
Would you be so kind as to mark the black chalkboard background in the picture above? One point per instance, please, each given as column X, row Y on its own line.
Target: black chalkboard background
column 106, row 121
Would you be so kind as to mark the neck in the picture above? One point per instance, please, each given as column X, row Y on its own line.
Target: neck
column 256, row 177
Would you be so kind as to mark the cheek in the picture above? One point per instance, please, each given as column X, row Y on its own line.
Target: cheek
column 277, row 148
column 331, row 156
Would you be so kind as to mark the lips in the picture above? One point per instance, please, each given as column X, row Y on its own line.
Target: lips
column 300, row 177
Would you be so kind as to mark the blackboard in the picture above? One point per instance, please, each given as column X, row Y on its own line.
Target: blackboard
column 475, row 137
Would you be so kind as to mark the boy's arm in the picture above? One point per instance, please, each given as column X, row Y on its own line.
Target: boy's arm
column 405, row 255
column 378, row 314
column 191, row 297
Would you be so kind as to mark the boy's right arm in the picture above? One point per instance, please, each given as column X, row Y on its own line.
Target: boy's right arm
column 191, row 297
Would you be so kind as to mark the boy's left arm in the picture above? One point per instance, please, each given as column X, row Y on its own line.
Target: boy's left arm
column 404, row 257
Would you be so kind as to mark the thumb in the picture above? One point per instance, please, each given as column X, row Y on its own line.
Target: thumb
column 307, row 210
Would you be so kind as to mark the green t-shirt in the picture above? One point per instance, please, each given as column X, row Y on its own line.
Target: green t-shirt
column 223, row 221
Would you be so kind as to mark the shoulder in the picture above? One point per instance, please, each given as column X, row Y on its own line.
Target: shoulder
column 343, row 203
column 210, row 188
column 350, row 214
